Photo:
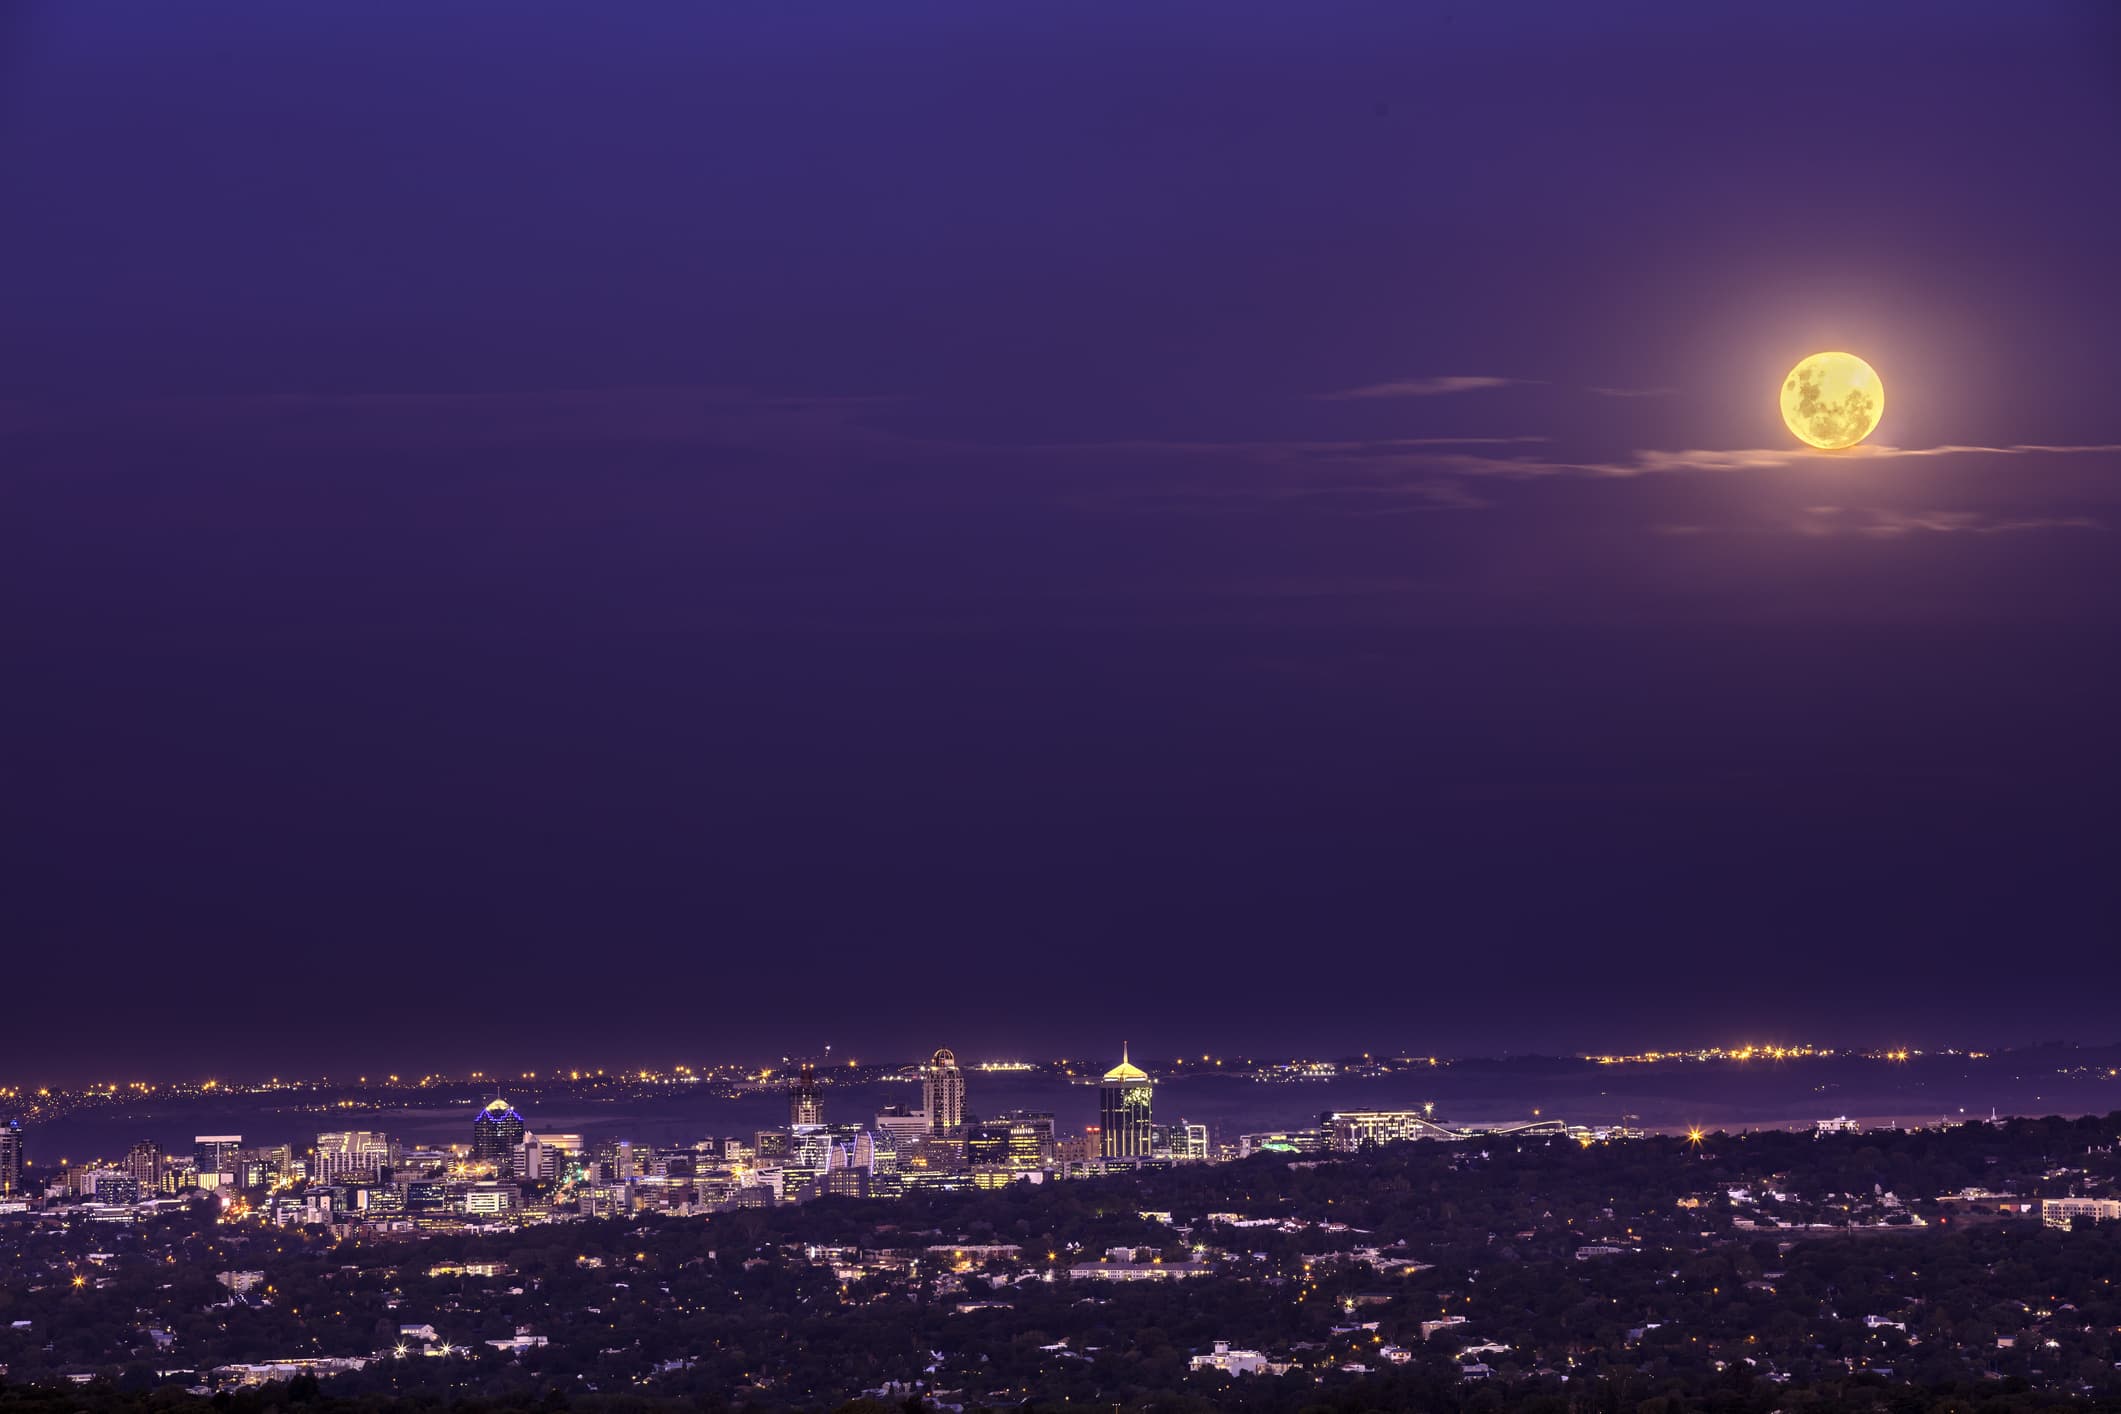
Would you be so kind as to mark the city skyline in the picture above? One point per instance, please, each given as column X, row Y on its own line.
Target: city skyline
column 1369, row 1241
column 941, row 1143
column 764, row 1066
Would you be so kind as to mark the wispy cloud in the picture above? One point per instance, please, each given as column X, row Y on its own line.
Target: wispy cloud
column 1877, row 523
column 1397, row 475
column 1888, row 525
column 1421, row 388
column 1340, row 497
column 1273, row 449
column 1651, row 462
column 2016, row 449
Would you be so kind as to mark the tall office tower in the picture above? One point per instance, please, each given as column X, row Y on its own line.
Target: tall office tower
column 943, row 1093
column 11, row 1160
column 896, row 1128
column 987, row 1144
column 144, row 1163
column 852, row 1163
column 219, row 1158
column 1031, row 1143
column 901, row 1123
column 536, row 1161
column 550, row 1155
column 261, row 1168
column 1123, row 1099
column 810, row 1150
column 351, row 1154
column 805, row 1104
column 1018, row 1142
column 496, row 1135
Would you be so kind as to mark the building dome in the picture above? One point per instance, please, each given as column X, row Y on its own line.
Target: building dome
column 495, row 1112
column 945, row 1056
column 1126, row 1072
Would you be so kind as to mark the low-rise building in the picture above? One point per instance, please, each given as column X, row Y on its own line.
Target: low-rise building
column 1231, row 1362
column 2068, row 1212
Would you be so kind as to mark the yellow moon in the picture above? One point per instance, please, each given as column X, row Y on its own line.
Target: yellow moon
column 1832, row 400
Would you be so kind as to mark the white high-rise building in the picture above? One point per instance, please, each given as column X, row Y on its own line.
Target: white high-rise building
column 943, row 1093
column 352, row 1154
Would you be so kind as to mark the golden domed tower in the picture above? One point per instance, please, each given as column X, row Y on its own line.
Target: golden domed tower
column 1123, row 1103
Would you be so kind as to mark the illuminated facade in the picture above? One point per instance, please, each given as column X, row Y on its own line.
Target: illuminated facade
column 1350, row 1130
column 1123, row 1106
column 1347, row 1131
column 218, row 1158
column 805, row 1104
column 11, row 1161
column 987, row 1145
column 943, row 1092
column 261, row 1168
column 496, row 1136
column 1018, row 1142
column 144, row 1163
column 898, row 1128
column 1031, row 1141
column 551, row 1156
column 351, row 1154
column 2067, row 1212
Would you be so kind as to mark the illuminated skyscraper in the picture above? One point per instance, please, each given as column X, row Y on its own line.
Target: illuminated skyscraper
column 11, row 1161
column 219, row 1159
column 1015, row 1141
column 897, row 1129
column 805, row 1104
column 349, row 1155
column 496, row 1137
column 943, row 1092
column 987, row 1145
column 1123, row 1100
column 144, row 1163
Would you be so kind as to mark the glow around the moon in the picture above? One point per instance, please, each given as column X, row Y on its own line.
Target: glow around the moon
column 1832, row 400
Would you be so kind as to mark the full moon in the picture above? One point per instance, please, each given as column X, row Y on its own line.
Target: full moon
column 1832, row 400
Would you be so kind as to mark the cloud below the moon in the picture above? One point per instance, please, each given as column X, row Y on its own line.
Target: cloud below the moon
column 1373, row 476
column 1422, row 387
column 1655, row 462
column 1880, row 523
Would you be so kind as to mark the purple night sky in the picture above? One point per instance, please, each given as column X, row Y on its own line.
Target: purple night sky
column 670, row 530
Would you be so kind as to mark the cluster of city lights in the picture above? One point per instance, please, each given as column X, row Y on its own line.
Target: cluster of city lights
column 330, row 1092
column 1774, row 1053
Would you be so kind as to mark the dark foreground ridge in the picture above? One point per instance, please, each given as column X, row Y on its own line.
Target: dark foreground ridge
column 1967, row 1268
